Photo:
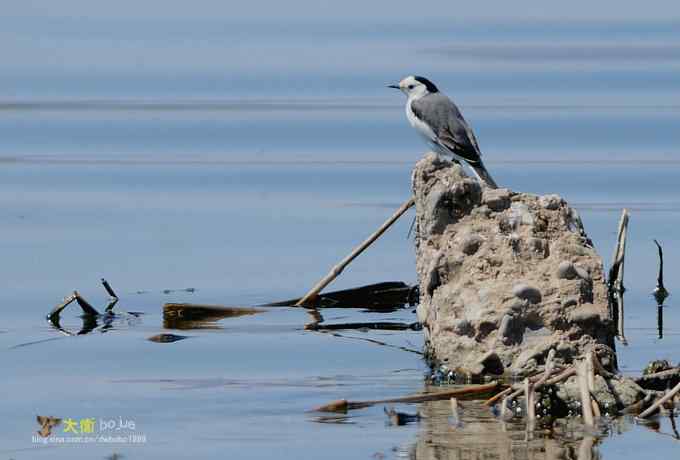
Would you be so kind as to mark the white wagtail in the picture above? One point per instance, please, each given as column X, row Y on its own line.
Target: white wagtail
column 440, row 123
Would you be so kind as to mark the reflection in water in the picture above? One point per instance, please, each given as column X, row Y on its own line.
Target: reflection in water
column 480, row 435
column 183, row 316
column 101, row 323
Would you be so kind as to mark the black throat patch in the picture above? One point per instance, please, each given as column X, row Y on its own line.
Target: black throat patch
column 428, row 84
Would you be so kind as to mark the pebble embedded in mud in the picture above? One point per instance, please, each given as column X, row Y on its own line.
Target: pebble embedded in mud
column 526, row 292
column 471, row 244
column 569, row 271
column 496, row 199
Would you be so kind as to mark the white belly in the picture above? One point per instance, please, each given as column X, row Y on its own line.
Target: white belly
column 423, row 129
column 426, row 132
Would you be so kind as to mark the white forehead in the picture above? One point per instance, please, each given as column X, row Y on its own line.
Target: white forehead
column 410, row 80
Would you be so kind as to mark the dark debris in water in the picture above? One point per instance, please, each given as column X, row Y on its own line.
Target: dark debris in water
column 166, row 338
column 387, row 296
column 396, row 418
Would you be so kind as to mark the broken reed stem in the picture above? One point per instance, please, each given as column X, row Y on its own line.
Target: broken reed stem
column 529, row 396
column 343, row 405
column 85, row 305
column 590, row 374
column 54, row 314
column 586, row 405
column 111, row 293
column 108, row 288
column 661, row 401
column 660, row 375
column 660, row 293
column 616, row 271
column 548, row 381
column 335, row 271
column 590, row 371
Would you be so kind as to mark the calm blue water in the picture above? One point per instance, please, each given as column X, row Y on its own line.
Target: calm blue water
column 242, row 155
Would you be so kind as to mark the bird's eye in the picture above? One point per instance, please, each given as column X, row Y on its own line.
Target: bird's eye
column 410, row 86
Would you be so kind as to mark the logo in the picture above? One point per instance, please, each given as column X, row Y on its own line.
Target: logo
column 46, row 425
column 116, row 430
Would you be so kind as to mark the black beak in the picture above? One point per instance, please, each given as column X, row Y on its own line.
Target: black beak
column 393, row 86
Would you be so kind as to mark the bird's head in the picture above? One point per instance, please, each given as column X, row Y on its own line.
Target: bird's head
column 414, row 86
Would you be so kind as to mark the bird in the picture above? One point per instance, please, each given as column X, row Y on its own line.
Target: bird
column 437, row 119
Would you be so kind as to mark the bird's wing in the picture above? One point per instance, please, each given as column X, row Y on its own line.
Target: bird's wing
column 452, row 131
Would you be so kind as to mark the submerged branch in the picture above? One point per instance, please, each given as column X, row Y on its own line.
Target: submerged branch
column 378, row 342
column 375, row 325
column 343, row 405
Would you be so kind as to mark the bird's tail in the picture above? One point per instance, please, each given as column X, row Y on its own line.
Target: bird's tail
column 483, row 175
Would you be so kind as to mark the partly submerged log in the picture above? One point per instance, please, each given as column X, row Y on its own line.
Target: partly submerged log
column 389, row 295
column 184, row 316
column 504, row 276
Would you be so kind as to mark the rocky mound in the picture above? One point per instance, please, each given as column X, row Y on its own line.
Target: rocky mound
column 504, row 276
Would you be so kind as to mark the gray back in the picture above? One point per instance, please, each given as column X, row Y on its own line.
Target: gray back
column 452, row 131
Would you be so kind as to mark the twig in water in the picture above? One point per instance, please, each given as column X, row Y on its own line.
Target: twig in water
column 85, row 305
column 114, row 298
column 540, row 380
column 343, row 405
column 661, row 401
column 313, row 293
column 660, row 293
column 615, row 283
column 586, row 405
column 378, row 342
column 56, row 311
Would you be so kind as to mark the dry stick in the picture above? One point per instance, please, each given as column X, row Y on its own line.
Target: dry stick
column 660, row 375
column 491, row 401
column 590, row 369
column 528, row 395
column 616, row 274
column 114, row 298
column 54, row 314
column 335, row 271
column 550, row 381
column 586, row 406
column 342, row 405
column 658, row 403
column 108, row 288
column 85, row 305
